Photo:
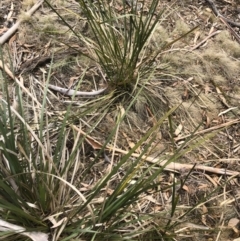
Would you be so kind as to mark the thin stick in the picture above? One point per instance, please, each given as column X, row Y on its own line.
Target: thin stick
column 70, row 92
column 172, row 166
column 7, row 70
column 225, row 20
column 208, row 130
column 180, row 166
column 175, row 166
column 204, row 40
column 14, row 28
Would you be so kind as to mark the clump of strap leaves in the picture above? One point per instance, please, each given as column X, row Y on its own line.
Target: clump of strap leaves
column 120, row 34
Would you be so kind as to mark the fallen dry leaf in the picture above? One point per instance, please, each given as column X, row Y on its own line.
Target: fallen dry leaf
column 178, row 130
column 233, row 222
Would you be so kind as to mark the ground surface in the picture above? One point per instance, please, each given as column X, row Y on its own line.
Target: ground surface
column 206, row 85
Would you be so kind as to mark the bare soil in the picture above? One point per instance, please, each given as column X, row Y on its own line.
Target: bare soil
column 203, row 79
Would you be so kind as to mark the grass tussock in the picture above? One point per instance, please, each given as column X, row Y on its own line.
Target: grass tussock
column 225, row 42
column 211, row 64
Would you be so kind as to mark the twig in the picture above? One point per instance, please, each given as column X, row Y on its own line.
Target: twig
column 172, row 166
column 231, row 22
column 225, row 20
column 208, row 130
column 179, row 167
column 7, row 70
column 204, row 40
column 175, row 166
column 14, row 28
column 70, row 92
